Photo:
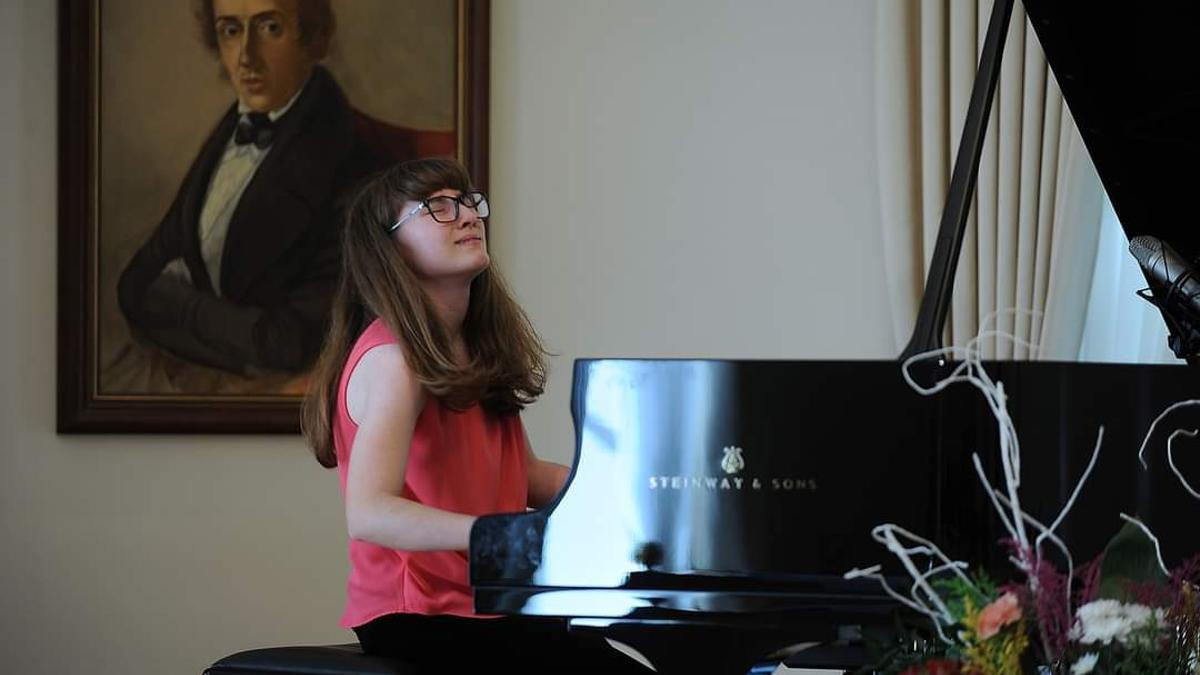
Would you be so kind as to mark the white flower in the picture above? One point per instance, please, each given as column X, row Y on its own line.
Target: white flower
column 1085, row 664
column 1103, row 621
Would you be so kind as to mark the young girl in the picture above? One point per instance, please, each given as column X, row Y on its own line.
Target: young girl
column 416, row 401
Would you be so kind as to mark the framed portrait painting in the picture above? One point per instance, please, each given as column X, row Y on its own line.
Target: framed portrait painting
column 206, row 149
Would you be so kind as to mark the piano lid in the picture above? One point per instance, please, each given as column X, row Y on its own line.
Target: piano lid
column 1130, row 74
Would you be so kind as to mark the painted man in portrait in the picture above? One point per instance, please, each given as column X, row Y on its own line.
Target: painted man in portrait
column 240, row 273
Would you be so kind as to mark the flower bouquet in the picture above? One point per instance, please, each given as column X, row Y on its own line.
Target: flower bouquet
column 1123, row 613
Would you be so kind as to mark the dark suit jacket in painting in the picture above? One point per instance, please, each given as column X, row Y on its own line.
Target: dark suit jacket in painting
column 280, row 263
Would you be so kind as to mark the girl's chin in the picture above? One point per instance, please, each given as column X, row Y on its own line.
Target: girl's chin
column 483, row 261
column 476, row 267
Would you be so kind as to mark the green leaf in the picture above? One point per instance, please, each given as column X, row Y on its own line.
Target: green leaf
column 955, row 591
column 1129, row 557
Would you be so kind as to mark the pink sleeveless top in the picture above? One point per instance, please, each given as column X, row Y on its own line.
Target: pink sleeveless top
column 470, row 462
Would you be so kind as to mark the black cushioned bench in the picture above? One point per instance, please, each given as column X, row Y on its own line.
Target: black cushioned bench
column 345, row 659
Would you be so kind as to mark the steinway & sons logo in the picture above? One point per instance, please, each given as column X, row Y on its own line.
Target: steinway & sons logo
column 732, row 464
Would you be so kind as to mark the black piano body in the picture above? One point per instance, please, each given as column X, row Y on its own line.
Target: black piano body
column 714, row 506
column 735, row 494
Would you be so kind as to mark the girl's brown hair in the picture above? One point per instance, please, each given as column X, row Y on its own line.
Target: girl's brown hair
column 507, row 362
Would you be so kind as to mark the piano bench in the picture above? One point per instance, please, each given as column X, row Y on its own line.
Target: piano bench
column 345, row 659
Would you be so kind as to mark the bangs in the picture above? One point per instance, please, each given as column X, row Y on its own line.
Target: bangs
column 420, row 178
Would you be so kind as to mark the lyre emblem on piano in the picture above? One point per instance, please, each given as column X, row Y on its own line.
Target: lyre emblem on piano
column 732, row 462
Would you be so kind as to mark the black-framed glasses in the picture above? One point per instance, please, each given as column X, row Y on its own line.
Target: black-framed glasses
column 444, row 208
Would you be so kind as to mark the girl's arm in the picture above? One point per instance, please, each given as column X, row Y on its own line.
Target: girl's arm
column 546, row 479
column 385, row 399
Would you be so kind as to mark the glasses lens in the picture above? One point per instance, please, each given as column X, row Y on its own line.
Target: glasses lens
column 477, row 201
column 443, row 209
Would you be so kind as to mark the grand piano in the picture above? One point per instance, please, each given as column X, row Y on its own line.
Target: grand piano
column 713, row 506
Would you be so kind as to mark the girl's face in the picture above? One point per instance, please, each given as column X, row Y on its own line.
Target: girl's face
column 444, row 250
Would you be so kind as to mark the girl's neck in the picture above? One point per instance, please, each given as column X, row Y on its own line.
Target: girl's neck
column 450, row 303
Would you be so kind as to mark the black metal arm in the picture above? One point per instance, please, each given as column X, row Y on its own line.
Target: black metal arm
column 935, row 303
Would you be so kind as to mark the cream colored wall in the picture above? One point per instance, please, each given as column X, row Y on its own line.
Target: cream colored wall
column 677, row 177
column 130, row 554
column 687, row 178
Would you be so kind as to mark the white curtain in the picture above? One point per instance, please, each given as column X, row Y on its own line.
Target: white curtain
column 1032, row 232
column 1121, row 327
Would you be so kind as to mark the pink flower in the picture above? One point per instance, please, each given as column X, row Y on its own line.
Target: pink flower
column 1000, row 613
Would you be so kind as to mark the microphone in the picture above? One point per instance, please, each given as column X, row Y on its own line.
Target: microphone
column 1175, row 288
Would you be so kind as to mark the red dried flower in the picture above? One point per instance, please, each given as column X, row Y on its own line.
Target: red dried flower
column 935, row 667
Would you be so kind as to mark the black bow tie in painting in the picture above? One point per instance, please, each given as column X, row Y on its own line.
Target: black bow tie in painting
column 256, row 128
